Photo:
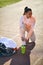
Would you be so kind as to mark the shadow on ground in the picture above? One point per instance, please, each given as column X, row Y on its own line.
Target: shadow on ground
column 18, row 58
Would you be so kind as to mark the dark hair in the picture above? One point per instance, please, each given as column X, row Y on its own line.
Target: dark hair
column 26, row 9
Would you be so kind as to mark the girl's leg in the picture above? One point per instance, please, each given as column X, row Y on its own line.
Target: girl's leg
column 33, row 38
column 28, row 39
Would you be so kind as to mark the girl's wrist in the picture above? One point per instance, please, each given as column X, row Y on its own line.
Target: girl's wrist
column 26, row 39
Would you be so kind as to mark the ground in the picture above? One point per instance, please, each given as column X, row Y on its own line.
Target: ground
column 9, row 26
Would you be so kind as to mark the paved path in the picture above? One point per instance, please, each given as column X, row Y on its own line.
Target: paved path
column 9, row 25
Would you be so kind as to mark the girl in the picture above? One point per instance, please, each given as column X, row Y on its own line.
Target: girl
column 27, row 23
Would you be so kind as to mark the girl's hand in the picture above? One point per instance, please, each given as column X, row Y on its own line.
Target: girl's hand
column 22, row 38
column 26, row 39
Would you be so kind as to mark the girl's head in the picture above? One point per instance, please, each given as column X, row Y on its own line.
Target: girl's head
column 28, row 12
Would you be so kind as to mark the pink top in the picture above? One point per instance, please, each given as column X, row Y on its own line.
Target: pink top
column 27, row 24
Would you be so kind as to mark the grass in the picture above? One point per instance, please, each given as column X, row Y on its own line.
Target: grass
column 7, row 2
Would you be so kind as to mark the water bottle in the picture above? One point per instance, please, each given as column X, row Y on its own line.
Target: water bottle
column 23, row 49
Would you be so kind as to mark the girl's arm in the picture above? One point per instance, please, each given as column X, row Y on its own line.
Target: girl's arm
column 31, row 30
column 22, row 31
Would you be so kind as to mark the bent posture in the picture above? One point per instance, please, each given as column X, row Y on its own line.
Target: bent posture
column 27, row 23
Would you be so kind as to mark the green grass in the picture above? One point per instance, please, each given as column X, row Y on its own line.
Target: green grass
column 7, row 2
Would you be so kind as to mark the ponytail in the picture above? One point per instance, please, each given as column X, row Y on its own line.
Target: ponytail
column 26, row 9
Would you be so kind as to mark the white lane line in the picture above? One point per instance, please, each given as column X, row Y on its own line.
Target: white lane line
column 8, row 62
column 38, row 60
column 7, row 37
column 16, row 35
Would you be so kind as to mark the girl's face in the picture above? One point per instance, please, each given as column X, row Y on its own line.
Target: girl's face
column 29, row 14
